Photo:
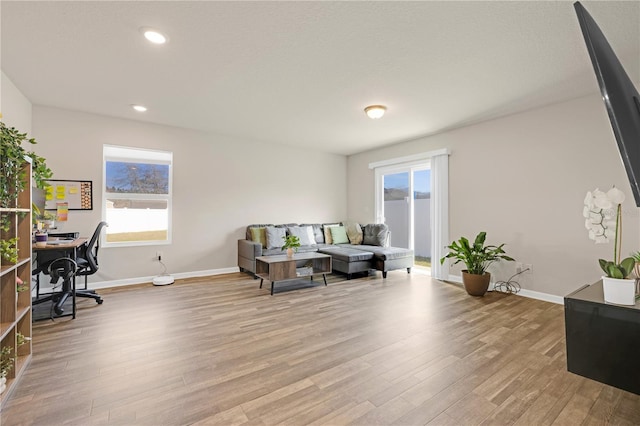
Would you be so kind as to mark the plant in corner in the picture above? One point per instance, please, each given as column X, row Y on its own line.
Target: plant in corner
column 291, row 244
column 477, row 257
column 603, row 219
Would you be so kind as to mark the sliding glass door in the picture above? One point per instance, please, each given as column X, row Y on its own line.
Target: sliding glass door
column 406, row 208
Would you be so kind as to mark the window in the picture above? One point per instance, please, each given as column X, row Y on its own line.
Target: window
column 136, row 200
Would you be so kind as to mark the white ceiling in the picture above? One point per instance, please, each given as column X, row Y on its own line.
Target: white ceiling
column 300, row 73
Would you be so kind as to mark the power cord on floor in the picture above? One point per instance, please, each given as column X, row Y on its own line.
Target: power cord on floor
column 510, row 286
column 164, row 267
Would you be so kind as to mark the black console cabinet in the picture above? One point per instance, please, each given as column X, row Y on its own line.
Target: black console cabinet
column 603, row 340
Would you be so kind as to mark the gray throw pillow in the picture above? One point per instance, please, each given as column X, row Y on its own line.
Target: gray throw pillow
column 375, row 234
column 275, row 237
column 318, row 233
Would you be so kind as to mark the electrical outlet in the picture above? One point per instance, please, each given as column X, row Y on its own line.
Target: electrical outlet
column 518, row 267
column 158, row 255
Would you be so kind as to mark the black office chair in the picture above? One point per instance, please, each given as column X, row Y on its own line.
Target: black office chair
column 45, row 258
column 61, row 268
column 87, row 259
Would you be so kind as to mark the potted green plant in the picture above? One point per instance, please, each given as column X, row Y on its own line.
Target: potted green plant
column 291, row 244
column 9, row 250
column 6, row 364
column 477, row 257
column 21, row 285
column 603, row 220
column 21, row 339
column 13, row 160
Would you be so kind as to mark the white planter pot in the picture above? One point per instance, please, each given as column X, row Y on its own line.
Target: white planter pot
column 3, row 384
column 620, row 292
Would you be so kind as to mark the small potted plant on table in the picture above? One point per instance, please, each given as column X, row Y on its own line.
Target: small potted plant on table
column 291, row 244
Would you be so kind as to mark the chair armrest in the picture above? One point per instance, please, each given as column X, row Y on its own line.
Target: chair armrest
column 249, row 249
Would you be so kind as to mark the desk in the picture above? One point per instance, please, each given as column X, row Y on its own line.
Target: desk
column 602, row 338
column 68, row 248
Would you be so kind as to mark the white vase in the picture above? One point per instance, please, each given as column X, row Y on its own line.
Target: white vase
column 618, row 291
column 3, row 384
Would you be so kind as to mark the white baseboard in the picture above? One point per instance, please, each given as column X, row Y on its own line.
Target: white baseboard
column 147, row 280
column 457, row 279
column 523, row 292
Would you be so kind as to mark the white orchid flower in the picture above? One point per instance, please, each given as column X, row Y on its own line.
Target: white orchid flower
column 601, row 240
column 602, row 219
column 615, row 195
column 588, row 200
column 601, row 200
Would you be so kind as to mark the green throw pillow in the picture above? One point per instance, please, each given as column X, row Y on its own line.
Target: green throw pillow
column 259, row 235
column 339, row 235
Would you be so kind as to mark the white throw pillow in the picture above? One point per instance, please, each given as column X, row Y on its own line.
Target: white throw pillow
column 304, row 234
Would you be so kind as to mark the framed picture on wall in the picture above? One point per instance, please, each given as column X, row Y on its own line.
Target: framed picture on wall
column 78, row 194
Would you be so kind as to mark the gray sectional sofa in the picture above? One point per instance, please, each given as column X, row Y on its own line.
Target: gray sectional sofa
column 354, row 249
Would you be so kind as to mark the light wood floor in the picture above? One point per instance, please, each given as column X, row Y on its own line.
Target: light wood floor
column 406, row 350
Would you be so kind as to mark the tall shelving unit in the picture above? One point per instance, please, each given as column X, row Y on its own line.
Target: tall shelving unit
column 15, row 306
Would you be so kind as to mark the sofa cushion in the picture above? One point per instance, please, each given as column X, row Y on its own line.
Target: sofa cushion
column 347, row 254
column 387, row 253
column 248, row 233
column 339, row 235
column 286, row 225
column 375, row 234
column 318, row 233
column 276, row 251
column 304, row 234
column 354, row 232
column 259, row 235
column 327, row 232
column 275, row 236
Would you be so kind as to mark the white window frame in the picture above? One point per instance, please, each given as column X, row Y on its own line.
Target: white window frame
column 143, row 155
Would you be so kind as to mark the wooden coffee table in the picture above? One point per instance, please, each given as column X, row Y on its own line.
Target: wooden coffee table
column 282, row 268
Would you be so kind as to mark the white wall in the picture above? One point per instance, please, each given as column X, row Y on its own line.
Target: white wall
column 15, row 107
column 221, row 184
column 523, row 179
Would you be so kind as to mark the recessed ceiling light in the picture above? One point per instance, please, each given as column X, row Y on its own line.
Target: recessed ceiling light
column 154, row 36
column 375, row 111
column 139, row 108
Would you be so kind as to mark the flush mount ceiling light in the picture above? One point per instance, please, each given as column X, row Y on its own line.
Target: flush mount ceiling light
column 154, row 36
column 139, row 108
column 375, row 111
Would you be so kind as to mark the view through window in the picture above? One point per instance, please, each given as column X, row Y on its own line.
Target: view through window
column 407, row 211
column 137, row 196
